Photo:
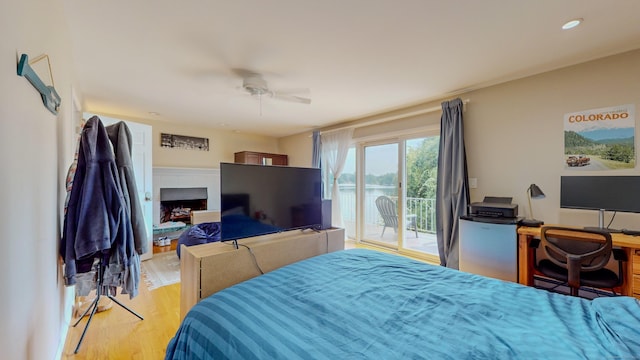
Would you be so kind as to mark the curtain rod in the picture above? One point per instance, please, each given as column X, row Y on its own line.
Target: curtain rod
column 381, row 118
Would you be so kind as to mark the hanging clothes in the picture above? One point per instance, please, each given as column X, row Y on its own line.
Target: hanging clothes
column 120, row 136
column 97, row 222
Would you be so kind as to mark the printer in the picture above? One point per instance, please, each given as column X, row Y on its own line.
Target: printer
column 492, row 206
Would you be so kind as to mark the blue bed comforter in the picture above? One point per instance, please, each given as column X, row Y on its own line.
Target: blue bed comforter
column 363, row 304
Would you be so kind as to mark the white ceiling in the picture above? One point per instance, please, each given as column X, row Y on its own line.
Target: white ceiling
column 356, row 57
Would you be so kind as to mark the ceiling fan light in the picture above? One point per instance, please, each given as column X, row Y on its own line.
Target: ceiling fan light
column 255, row 85
column 572, row 23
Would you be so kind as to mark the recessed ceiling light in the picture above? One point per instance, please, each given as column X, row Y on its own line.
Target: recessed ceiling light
column 572, row 23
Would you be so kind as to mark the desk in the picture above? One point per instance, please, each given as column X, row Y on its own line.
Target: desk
column 631, row 268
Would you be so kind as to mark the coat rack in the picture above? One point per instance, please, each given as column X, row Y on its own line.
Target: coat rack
column 94, row 305
column 49, row 95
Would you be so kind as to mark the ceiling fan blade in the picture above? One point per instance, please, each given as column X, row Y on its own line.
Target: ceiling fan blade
column 294, row 91
column 244, row 73
column 292, row 98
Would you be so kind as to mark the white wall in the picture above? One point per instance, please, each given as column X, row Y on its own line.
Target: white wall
column 35, row 154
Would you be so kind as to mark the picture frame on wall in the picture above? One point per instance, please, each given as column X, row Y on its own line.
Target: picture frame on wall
column 600, row 139
column 184, row 142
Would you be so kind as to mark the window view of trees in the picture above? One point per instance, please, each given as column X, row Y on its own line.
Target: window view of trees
column 421, row 158
column 422, row 172
column 422, row 168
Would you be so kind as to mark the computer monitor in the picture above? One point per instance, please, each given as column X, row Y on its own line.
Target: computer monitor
column 601, row 193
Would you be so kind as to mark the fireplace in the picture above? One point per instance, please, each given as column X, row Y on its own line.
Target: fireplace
column 169, row 177
column 176, row 204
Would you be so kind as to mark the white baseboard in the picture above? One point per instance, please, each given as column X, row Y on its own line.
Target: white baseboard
column 68, row 301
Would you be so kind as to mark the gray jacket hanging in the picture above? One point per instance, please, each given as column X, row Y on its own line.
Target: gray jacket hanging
column 120, row 137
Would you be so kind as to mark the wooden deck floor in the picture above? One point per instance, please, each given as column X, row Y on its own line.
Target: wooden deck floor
column 423, row 242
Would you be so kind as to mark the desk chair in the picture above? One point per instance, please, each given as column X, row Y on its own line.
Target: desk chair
column 388, row 210
column 578, row 257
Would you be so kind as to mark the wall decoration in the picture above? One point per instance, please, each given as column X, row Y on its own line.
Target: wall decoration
column 48, row 93
column 184, row 142
column 600, row 139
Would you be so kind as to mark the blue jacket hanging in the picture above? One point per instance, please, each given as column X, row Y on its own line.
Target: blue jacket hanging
column 96, row 222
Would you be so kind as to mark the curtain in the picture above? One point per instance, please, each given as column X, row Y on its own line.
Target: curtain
column 452, row 189
column 335, row 146
column 315, row 159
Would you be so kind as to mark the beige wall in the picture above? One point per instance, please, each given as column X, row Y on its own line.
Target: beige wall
column 36, row 152
column 222, row 144
column 513, row 137
column 299, row 148
column 514, row 132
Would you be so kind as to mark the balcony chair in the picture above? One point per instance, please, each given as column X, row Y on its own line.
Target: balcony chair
column 578, row 257
column 389, row 213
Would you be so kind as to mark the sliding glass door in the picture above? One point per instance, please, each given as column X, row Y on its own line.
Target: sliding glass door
column 398, row 186
column 421, row 164
column 380, row 194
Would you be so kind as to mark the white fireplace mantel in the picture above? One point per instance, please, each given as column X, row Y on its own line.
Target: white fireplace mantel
column 172, row 177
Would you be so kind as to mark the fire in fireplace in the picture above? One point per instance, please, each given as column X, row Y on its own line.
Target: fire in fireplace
column 176, row 204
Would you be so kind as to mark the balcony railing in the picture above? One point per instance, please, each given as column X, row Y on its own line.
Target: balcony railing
column 424, row 209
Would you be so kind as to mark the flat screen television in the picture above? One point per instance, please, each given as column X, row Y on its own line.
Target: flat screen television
column 258, row 199
column 601, row 193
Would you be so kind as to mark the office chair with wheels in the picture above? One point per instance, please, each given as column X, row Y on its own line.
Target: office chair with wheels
column 579, row 257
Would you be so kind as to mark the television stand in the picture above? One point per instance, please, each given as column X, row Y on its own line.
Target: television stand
column 209, row 268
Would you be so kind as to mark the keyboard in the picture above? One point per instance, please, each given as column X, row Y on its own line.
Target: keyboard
column 631, row 232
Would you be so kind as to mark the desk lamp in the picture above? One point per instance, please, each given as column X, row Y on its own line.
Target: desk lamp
column 533, row 191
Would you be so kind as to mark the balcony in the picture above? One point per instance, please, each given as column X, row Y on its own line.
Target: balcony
column 424, row 209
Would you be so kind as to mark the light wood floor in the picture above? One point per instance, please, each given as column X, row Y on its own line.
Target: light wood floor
column 117, row 334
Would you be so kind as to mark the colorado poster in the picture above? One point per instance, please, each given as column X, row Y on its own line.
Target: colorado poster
column 600, row 139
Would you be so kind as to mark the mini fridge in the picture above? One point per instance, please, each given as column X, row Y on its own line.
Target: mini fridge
column 489, row 246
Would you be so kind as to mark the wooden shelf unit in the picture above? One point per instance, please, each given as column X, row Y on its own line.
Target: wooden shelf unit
column 260, row 158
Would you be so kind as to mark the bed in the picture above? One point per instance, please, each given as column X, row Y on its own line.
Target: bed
column 365, row 304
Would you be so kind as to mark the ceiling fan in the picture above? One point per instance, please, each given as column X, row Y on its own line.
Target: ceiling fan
column 255, row 85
